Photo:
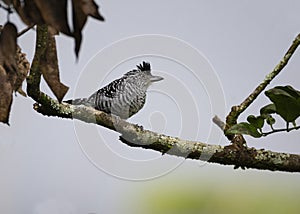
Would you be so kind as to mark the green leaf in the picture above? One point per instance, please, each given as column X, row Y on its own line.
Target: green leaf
column 257, row 122
column 270, row 120
column 286, row 100
column 268, row 109
column 251, row 118
column 244, row 128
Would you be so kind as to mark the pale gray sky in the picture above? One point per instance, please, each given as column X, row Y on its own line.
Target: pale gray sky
column 44, row 162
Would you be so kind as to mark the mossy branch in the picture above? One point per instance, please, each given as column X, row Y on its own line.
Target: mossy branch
column 34, row 78
column 136, row 136
column 235, row 154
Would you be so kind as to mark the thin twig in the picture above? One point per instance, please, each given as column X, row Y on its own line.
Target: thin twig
column 219, row 122
column 232, row 117
column 8, row 8
column 25, row 30
column 280, row 130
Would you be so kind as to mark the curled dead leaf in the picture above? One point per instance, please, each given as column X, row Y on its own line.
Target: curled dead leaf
column 50, row 70
column 14, row 68
column 7, row 2
column 8, row 47
column 81, row 10
column 23, row 70
column 54, row 13
column 6, row 91
column 8, row 68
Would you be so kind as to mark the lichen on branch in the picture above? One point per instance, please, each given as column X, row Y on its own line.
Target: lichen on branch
column 236, row 154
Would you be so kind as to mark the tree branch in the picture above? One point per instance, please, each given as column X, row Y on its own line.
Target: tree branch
column 22, row 32
column 237, row 110
column 236, row 154
column 34, row 78
column 136, row 136
column 219, row 122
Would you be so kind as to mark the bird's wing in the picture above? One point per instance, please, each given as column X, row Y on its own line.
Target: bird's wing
column 113, row 89
column 103, row 98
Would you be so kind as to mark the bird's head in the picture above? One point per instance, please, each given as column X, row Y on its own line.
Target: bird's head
column 142, row 75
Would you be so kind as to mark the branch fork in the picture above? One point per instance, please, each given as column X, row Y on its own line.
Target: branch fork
column 237, row 154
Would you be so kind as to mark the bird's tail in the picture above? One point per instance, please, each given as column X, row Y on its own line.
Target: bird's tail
column 79, row 101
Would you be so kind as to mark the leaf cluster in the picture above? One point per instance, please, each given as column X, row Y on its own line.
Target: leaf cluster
column 285, row 103
column 13, row 69
column 53, row 14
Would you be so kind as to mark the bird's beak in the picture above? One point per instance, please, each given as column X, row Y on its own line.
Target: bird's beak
column 156, row 78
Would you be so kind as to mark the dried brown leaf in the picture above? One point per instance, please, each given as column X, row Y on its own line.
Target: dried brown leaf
column 54, row 13
column 23, row 70
column 20, row 8
column 33, row 13
column 6, row 90
column 8, row 47
column 50, row 70
column 50, row 12
column 89, row 7
column 81, row 10
column 7, row 2
column 14, row 68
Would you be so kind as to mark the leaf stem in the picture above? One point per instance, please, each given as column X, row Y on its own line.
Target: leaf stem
column 264, row 134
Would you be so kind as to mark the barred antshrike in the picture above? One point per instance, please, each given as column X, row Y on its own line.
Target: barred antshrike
column 125, row 96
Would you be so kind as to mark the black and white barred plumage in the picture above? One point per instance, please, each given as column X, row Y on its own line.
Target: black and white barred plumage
column 125, row 96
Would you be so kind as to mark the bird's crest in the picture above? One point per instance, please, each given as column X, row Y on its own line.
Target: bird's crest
column 144, row 67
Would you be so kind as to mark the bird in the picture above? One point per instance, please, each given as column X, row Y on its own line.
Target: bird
column 125, row 96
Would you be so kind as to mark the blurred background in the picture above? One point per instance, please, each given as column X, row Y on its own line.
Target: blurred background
column 44, row 163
